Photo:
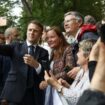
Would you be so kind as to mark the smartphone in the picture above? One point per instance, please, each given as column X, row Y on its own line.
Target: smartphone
column 67, row 69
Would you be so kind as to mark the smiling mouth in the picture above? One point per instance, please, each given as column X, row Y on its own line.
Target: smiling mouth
column 67, row 27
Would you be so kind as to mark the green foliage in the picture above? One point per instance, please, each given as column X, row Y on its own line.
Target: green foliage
column 92, row 7
column 50, row 12
column 5, row 11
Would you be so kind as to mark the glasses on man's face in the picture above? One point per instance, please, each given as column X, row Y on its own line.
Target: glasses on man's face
column 70, row 20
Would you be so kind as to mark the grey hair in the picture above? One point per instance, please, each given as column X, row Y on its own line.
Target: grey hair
column 9, row 30
column 77, row 15
column 88, row 19
column 86, row 46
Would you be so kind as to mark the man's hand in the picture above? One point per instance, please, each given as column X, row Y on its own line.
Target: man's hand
column 29, row 60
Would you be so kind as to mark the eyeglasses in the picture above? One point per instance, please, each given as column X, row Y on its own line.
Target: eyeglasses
column 70, row 20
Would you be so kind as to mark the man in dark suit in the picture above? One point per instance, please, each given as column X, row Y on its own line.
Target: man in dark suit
column 2, row 41
column 27, row 70
column 10, row 35
column 1, row 83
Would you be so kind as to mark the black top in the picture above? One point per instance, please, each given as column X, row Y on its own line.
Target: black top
column 90, row 97
column 91, row 66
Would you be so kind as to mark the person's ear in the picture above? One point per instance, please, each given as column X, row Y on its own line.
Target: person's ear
column 80, row 23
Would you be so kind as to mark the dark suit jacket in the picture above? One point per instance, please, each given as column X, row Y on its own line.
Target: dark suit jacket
column 1, row 73
column 91, row 66
column 15, row 85
column 5, row 63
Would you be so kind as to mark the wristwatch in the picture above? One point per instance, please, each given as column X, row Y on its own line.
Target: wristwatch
column 60, row 89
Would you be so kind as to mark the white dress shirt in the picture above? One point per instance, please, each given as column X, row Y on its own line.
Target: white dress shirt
column 38, row 69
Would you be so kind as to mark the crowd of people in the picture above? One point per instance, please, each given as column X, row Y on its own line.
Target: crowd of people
column 53, row 67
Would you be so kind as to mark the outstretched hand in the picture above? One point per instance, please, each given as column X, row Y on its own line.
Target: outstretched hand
column 98, row 81
column 95, row 51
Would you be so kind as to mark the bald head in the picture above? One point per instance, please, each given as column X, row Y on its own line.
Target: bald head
column 11, row 31
column 11, row 34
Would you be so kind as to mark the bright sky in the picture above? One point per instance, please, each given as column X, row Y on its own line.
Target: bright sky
column 17, row 10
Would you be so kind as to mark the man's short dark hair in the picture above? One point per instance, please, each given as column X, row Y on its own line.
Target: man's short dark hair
column 37, row 23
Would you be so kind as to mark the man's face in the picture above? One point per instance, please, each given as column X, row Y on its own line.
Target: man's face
column 71, row 24
column 34, row 33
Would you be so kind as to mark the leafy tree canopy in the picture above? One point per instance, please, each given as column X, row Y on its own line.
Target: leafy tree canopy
column 50, row 12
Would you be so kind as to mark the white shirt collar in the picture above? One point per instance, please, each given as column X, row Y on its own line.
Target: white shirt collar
column 29, row 44
column 77, row 34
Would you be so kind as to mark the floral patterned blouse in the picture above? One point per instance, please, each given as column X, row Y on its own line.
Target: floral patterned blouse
column 57, row 67
column 66, row 60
